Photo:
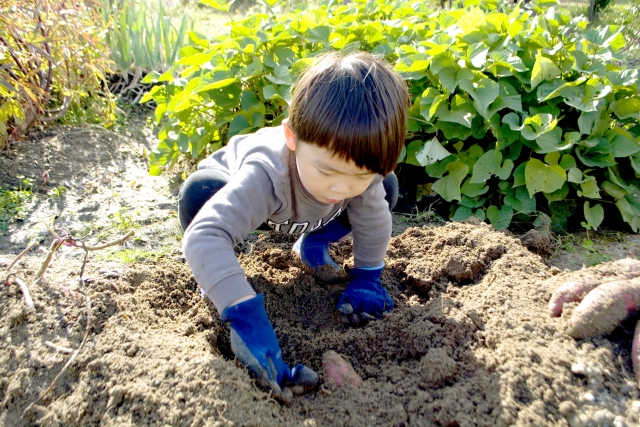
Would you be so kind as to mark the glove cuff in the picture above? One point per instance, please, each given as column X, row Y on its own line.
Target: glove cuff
column 367, row 273
column 250, row 311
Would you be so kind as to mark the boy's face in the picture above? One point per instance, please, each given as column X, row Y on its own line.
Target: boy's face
column 328, row 178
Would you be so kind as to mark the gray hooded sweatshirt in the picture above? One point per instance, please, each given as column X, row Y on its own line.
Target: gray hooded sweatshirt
column 264, row 187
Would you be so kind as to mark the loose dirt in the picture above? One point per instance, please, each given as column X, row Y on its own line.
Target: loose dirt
column 470, row 341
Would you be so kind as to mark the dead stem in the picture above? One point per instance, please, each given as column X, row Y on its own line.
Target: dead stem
column 20, row 255
column 111, row 243
column 624, row 370
column 27, row 295
column 70, row 241
column 54, row 247
column 66, row 365
column 58, row 348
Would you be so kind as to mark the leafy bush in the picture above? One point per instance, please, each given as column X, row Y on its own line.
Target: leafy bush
column 536, row 117
column 53, row 63
column 140, row 40
column 625, row 14
column 519, row 114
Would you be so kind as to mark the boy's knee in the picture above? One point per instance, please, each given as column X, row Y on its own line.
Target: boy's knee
column 391, row 189
column 199, row 187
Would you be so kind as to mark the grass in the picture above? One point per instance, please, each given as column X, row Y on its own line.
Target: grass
column 123, row 220
column 590, row 247
column 13, row 203
column 131, row 255
column 427, row 216
column 576, row 8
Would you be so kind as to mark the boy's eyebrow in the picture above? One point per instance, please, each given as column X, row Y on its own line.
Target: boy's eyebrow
column 329, row 168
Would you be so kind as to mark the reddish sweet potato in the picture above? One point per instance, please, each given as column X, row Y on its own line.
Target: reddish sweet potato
column 604, row 307
column 635, row 352
column 630, row 268
column 339, row 370
column 571, row 291
column 586, row 280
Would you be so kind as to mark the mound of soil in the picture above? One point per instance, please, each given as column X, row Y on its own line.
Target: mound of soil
column 470, row 341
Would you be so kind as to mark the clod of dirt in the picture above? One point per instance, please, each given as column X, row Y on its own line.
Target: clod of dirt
column 460, row 254
column 437, row 368
column 338, row 371
column 538, row 242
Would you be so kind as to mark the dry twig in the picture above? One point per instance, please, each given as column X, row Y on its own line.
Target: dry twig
column 70, row 241
column 25, row 292
column 20, row 255
column 54, row 247
column 66, row 365
column 58, row 348
column 76, row 243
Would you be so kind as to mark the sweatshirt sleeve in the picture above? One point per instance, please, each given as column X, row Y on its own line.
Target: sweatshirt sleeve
column 244, row 203
column 370, row 221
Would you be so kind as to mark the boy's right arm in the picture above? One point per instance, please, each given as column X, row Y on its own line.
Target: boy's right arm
column 224, row 221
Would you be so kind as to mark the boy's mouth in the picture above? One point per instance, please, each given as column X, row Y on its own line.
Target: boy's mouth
column 333, row 201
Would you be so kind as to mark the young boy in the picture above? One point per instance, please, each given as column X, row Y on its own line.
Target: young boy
column 321, row 174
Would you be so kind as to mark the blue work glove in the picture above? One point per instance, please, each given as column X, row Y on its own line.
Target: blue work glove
column 254, row 343
column 364, row 298
column 313, row 250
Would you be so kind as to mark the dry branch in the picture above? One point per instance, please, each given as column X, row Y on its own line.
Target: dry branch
column 111, row 243
column 78, row 243
column 54, row 247
column 58, row 348
column 25, row 292
column 66, row 365
column 20, row 255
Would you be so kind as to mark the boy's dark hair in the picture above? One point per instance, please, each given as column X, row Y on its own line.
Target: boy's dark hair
column 355, row 106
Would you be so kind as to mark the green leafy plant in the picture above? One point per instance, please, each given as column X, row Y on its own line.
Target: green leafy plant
column 140, row 40
column 57, row 192
column 53, row 65
column 242, row 82
column 518, row 114
column 533, row 115
column 626, row 15
column 13, row 202
column 123, row 220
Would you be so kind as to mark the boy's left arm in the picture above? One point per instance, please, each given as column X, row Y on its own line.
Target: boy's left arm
column 365, row 298
column 370, row 220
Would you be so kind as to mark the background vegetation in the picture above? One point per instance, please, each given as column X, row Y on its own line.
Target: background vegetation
column 521, row 113
column 54, row 66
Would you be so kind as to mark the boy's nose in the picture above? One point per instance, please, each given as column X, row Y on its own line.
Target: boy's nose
column 340, row 187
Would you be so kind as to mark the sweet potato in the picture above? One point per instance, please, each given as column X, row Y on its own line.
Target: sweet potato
column 571, row 291
column 339, row 370
column 584, row 281
column 604, row 307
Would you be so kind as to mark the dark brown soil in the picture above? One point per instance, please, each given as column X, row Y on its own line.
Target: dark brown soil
column 470, row 341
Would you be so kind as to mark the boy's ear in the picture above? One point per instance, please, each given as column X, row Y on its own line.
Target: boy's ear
column 289, row 136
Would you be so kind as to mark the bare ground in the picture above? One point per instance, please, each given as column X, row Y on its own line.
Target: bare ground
column 469, row 343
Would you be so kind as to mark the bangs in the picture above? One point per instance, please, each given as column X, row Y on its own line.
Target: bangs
column 355, row 106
